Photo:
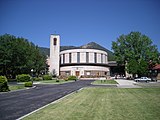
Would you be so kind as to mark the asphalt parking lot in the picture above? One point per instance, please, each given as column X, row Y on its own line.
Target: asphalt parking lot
column 13, row 105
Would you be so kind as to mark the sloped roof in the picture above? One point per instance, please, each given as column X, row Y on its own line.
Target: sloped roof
column 157, row 67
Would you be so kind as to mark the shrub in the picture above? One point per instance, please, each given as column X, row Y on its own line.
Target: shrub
column 37, row 79
column 47, row 77
column 54, row 76
column 66, row 79
column 72, row 78
column 23, row 78
column 57, row 80
column 28, row 84
column 3, row 84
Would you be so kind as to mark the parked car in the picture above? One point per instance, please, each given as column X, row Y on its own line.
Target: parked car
column 143, row 79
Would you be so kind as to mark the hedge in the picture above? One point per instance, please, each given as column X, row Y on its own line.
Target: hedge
column 28, row 84
column 47, row 77
column 72, row 78
column 3, row 84
column 23, row 78
column 37, row 79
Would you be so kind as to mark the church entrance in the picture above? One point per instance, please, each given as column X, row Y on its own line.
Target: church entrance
column 77, row 73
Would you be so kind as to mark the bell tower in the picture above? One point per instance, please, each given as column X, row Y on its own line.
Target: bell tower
column 54, row 54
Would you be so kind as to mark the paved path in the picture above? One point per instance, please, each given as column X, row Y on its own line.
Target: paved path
column 16, row 104
column 126, row 84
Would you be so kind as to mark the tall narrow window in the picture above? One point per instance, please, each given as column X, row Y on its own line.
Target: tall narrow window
column 60, row 59
column 87, row 57
column 95, row 57
column 70, row 57
column 78, row 57
column 55, row 41
column 63, row 58
column 105, row 58
column 101, row 58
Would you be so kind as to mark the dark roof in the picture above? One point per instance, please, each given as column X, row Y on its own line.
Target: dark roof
column 91, row 45
column 157, row 67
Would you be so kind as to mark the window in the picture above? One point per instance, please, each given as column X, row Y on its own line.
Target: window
column 95, row 57
column 60, row 59
column 55, row 41
column 78, row 57
column 101, row 58
column 63, row 58
column 87, row 57
column 67, row 73
column 105, row 58
column 88, row 73
column 70, row 57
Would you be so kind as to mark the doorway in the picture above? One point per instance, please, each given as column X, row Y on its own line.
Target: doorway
column 77, row 73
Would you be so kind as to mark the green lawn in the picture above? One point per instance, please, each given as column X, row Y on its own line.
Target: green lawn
column 104, row 82
column 142, row 84
column 50, row 81
column 54, row 81
column 105, row 104
column 16, row 87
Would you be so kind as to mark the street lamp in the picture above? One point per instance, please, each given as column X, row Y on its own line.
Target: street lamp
column 32, row 75
column 150, row 71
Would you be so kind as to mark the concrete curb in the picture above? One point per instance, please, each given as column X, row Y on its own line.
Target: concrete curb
column 56, row 101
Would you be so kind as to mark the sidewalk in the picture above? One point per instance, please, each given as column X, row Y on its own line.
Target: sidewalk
column 126, row 83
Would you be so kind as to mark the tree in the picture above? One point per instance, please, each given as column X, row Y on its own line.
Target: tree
column 135, row 51
column 19, row 56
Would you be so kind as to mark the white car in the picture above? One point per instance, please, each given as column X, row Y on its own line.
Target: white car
column 145, row 79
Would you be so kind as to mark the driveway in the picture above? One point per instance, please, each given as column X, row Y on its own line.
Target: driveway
column 16, row 104
column 126, row 83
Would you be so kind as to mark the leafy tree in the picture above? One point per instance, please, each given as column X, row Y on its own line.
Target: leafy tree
column 19, row 56
column 135, row 51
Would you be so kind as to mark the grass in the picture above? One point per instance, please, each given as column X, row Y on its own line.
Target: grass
column 104, row 104
column 142, row 84
column 50, row 81
column 54, row 81
column 16, row 87
column 97, row 82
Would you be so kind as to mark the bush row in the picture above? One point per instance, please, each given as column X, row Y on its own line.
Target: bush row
column 23, row 78
column 72, row 78
column 27, row 78
column 47, row 77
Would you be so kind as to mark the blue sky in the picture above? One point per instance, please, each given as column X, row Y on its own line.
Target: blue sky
column 80, row 21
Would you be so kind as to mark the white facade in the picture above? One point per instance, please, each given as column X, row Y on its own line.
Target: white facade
column 101, row 56
column 54, row 54
column 78, row 62
column 85, row 70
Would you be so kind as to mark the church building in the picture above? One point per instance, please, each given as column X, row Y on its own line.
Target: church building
column 78, row 61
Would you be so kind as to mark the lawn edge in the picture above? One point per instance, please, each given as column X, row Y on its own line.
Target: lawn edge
column 27, row 88
column 92, row 83
column 56, row 101
column 56, row 83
